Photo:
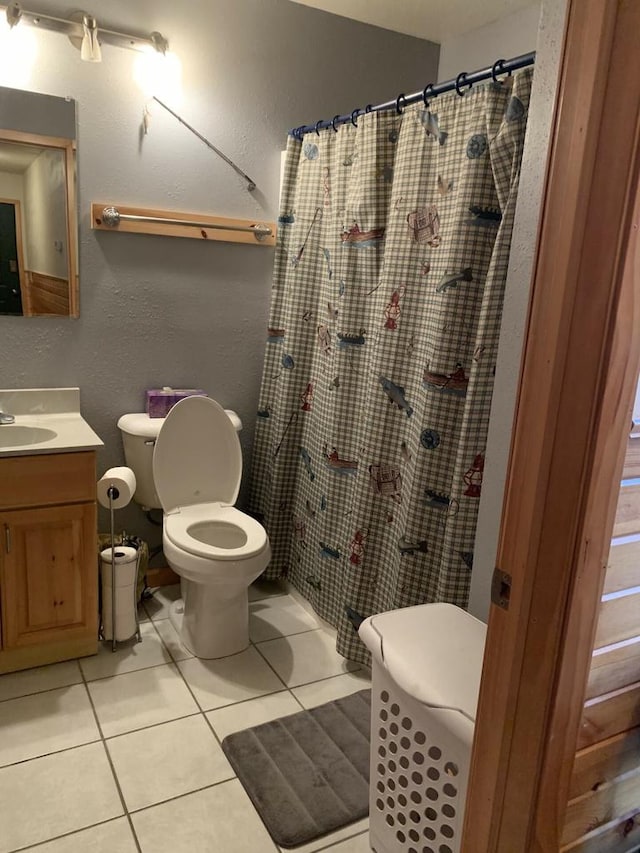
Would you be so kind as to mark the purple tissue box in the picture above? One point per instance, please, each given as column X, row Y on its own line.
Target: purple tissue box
column 161, row 400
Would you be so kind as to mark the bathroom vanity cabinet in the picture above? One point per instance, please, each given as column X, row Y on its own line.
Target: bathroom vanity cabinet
column 48, row 560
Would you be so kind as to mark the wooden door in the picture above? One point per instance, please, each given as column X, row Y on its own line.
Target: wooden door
column 48, row 567
column 580, row 369
column 10, row 267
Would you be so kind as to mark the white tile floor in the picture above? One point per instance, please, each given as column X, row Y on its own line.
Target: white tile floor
column 121, row 752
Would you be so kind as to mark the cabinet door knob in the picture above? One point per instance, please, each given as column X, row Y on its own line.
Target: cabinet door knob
column 7, row 538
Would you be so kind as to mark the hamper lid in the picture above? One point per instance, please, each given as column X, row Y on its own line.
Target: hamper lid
column 433, row 652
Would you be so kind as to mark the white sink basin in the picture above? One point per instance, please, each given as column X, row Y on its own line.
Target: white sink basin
column 16, row 435
column 47, row 420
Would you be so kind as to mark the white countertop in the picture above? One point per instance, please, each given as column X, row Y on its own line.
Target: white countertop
column 51, row 409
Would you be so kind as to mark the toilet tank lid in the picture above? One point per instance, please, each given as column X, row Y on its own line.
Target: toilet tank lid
column 141, row 425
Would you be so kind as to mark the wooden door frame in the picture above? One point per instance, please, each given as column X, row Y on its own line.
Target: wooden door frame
column 573, row 415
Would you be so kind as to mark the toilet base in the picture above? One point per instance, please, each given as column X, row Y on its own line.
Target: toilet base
column 212, row 621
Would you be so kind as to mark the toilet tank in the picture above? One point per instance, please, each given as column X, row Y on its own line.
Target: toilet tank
column 139, row 433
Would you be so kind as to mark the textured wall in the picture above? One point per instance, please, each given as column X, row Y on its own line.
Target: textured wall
column 158, row 311
column 46, row 215
column 509, row 36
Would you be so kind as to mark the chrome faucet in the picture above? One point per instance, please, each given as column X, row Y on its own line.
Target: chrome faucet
column 6, row 419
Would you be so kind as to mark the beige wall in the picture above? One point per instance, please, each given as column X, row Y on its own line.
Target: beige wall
column 160, row 311
column 509, row 36
column 45, row 215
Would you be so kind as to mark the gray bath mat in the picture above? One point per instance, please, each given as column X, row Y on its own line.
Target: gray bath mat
column 307, row 774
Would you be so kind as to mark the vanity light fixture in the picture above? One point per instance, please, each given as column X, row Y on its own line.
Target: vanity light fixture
column 14, row 14
column 83, row 31
column 90, row 48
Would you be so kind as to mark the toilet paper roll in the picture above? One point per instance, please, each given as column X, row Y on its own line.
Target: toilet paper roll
column 124, row 481
column 126, row 560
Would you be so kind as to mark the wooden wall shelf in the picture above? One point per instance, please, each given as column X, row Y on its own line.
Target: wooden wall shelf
column 171, row 223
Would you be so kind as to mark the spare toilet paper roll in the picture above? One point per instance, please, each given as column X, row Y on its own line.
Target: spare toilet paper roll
column 124, row 481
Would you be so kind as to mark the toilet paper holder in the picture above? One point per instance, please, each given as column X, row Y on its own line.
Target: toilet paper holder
column 113, row 494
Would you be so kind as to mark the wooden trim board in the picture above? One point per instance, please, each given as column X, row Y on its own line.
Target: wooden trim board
column 604, row 761
column 163, row 576
column 609, row 715
column 632, row 458
column 594, row 809
column 619, row 618
column 623, row 569
column 621, row 835
column 216, row 232
column 627, row 520
column 613, row 667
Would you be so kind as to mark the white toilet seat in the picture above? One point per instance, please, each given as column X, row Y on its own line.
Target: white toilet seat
column 196, row 528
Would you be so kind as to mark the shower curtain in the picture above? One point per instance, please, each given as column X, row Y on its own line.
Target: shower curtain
column 388, row 285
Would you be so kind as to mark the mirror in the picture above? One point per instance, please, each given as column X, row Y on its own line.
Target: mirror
column 38, row 220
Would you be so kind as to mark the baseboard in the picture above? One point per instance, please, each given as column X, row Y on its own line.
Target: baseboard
column 163, row 576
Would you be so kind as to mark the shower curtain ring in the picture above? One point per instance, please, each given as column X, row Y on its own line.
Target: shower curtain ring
column 461, row 80
column 398, row 99
column 425, row 94
column 368, row 108
column 334, row 120
column 498, row 68
column 318, row 123
column 354, row 116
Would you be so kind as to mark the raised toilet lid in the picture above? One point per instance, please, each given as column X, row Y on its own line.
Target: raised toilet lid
column 197, row 457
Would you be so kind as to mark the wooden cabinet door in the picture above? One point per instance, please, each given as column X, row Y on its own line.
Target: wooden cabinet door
column 49, row 574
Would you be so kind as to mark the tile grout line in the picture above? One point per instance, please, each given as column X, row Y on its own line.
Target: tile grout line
column 151, row 726
column 174, row 661
column 111, row 765
column 193, row 696
column 216, row 737
column 329, row 846
column 214, row 733
column 305, row 683
column 284, row 636
column 48, row 754
column 65, row 835
column 128, row 672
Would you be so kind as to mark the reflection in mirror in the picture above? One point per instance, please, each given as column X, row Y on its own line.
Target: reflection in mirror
column 38, row 229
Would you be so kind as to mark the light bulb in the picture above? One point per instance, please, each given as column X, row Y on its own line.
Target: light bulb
column 18, row 50
column 159, row 74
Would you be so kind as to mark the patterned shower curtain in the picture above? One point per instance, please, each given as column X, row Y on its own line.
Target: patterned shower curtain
column 387, row 295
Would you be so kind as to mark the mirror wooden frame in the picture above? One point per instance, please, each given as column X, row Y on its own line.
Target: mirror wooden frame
column 68, row 148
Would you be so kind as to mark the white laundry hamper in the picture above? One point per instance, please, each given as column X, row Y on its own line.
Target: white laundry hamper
column 427, row 663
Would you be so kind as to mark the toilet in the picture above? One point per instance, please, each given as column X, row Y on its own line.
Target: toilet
column 218, row 551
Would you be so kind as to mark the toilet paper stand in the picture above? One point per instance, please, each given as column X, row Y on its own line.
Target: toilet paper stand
column 113, row 493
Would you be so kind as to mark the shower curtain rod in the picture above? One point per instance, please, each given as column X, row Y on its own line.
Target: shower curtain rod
column 431, row 90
